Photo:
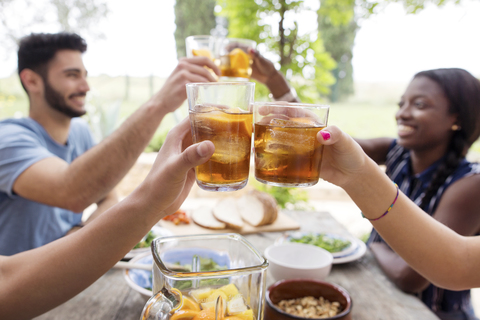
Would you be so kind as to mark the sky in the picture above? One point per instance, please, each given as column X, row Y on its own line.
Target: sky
column 390, row 47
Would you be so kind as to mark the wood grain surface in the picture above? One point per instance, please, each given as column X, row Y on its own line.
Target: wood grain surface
column 374, row 296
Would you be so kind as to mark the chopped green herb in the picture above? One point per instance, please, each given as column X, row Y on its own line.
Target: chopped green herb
column 324, row 241
column 147, row 241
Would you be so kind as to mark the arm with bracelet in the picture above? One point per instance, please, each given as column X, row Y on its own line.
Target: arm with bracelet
column 442, row 256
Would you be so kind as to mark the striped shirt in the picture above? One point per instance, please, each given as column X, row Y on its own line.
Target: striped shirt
column 398, row 165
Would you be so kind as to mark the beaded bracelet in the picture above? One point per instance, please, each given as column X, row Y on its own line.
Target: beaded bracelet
column 389, row 208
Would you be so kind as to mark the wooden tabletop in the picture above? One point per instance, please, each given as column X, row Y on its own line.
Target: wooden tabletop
column 373, row 295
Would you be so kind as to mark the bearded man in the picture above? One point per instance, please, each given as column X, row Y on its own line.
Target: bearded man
column 50, row 167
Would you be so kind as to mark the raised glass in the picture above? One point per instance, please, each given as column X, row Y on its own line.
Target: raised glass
column 287, row 152
column 222, row 113
column 233, row 58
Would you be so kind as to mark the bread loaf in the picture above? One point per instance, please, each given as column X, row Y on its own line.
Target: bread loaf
column 257, row 208
column 203, row 216
column 227, row 212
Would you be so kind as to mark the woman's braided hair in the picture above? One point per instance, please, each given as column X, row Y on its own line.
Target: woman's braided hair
column 463, row 92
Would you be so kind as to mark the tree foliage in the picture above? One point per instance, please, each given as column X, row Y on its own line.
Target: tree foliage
column 21, row 17
column 192, row 17
column 302, row 57
column 338, row 27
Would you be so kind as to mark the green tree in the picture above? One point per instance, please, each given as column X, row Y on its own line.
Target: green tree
column 17, row 18
column 327, row 71
column 302, row 58
column 338, row 27
column 192, row 17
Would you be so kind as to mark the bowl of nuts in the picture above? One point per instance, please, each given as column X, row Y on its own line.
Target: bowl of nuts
column 307, row 299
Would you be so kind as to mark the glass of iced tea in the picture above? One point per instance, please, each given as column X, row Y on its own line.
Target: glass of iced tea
column 222, row 113
column 203, row 46
column 287, row 152
column 233, row 59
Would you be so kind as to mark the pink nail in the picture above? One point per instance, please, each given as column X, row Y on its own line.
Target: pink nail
column 325, row 135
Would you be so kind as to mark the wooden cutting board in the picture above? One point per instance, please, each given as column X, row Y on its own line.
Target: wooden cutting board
column 283, row 223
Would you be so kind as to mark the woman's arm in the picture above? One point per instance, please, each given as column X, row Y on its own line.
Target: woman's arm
column 376, row 148
column 458, row 210
column 442, row 256
column 54, row 273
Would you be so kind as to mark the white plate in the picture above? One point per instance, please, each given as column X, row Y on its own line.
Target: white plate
column 357, row 254
column 158, row 232
column 298, row 234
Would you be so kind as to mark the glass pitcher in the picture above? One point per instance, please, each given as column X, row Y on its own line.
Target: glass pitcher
column 217, row 276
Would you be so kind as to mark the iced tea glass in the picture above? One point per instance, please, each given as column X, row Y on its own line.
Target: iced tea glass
column 203, row 46
column 287, row 152
column 233, row 58
column 222, row 113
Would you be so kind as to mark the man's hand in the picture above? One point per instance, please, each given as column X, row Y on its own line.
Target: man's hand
column 188, row 70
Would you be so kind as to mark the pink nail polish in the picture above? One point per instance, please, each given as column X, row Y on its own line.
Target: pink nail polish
column 325, row 135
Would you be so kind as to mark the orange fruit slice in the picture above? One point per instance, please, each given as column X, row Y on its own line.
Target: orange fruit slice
column 239, row 59
column 189, row 304
column 208, row 314
column 202, row 53
column 226, row 122
column 246, row 315
column 185, row 315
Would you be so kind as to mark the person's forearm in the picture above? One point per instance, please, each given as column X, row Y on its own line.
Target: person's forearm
column 92, row 175
column 103, row 205
column 397, row 270
column 432, row 249
column 278, row 85
column 71, row 264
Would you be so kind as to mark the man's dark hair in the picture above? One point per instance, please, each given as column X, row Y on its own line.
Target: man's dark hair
column 37, row 49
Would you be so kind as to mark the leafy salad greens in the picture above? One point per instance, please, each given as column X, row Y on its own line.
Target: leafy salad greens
column 329, row 243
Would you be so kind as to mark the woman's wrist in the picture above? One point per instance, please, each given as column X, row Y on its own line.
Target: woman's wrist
column 277, row 84
column 372, row 190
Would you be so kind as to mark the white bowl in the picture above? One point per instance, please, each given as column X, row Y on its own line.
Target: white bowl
column 298, row 261
column 138, row 279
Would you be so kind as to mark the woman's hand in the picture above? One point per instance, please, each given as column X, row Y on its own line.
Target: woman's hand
column 343, row 158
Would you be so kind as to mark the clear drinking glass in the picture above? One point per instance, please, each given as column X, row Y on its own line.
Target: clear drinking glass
column 287, row 152
column 222, row 113
column 208, row 277
column 233, row 59
column 200, row 45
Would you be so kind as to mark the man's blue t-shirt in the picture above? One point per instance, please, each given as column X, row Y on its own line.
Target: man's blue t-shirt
column 26, row 224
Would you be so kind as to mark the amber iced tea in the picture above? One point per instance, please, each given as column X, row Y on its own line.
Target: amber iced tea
column 233, row 58
column 222, row 113
column 287, row 152
column 231, row 132
column 287, row 155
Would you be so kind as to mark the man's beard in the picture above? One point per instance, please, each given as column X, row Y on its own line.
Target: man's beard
column 57, row 102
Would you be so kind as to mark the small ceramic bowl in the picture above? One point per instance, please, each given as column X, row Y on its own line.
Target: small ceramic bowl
column 140, row 280
column 299, row 288
column 298, row 261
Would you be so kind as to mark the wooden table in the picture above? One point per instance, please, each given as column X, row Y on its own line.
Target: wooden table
column 374, row 296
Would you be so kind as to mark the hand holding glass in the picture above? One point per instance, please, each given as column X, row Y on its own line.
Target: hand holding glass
column 287, row 152
column 222, row 113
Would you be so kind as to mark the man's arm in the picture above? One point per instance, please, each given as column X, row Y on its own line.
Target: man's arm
column 70, row 264
column 103, row 205
column 91, row 176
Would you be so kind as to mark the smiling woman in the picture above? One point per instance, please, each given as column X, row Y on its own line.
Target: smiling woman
column 438, row 119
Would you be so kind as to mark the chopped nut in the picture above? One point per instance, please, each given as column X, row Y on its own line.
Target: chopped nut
column 310, row 307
